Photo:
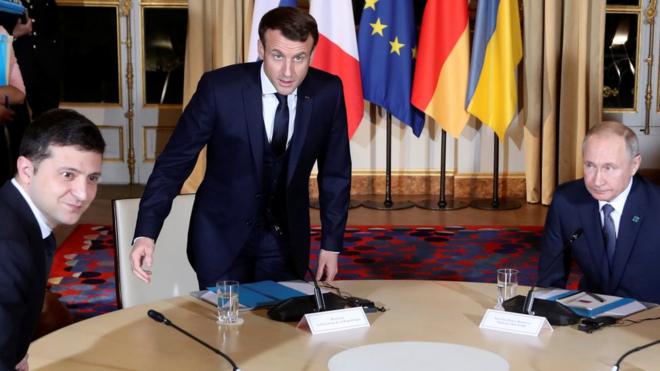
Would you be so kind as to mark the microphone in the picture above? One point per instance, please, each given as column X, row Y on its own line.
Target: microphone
column 529, row 300
column 159, row 317
column 319, row 301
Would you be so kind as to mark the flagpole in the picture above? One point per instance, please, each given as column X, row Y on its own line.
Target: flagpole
column 388, row 204
column 443, row 204
column 496, row 203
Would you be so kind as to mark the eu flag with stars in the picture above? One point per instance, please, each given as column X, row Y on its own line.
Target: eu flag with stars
column 386, row 43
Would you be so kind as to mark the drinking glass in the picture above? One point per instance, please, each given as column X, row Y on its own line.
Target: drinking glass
column 507, row 285
column 227, row 294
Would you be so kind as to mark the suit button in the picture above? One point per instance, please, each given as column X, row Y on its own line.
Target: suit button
column 249, row 222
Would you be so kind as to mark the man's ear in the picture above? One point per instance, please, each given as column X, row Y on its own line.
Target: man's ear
column 260, row 49
column 24, row 170
column 637, row 161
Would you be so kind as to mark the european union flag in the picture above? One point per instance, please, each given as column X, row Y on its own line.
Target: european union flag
column 386, row 44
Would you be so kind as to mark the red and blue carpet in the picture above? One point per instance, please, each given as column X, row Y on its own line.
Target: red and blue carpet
column 83, row 270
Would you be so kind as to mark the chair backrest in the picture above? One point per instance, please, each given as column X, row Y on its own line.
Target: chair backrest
column 172, row 274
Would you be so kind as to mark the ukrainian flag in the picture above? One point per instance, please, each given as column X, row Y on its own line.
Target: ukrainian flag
column 496, row 51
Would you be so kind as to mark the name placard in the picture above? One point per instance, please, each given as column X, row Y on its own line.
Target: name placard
column 334, row 320
column 515, row 323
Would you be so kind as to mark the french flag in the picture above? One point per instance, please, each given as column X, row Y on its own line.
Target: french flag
column 337, row 53
column 262, row 7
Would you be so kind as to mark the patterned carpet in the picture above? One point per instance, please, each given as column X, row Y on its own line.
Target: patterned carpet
column 83, row 269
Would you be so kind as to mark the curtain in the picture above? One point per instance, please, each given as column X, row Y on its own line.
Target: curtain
column 562, row 85
column 218, row 36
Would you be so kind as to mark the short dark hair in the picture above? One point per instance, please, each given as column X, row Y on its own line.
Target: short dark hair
column 295, row 24
column 60, row 127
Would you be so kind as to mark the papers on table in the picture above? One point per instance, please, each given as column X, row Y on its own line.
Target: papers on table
column 258, row 294
column 587, row 305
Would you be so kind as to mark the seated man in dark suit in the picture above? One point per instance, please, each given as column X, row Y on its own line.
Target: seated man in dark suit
column 58, row 170
column 618, row 212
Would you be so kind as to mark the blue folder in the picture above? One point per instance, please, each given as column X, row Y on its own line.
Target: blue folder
column 263, row 293
column 11, row 7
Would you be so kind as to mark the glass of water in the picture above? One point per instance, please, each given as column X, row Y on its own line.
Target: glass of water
column 227, row 294
column 507, row 285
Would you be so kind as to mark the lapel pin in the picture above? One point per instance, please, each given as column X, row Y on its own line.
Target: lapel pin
column 635, row 219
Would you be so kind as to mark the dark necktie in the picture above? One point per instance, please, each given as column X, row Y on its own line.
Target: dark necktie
column 280, row 125
column 50, row 245
column 609, row 232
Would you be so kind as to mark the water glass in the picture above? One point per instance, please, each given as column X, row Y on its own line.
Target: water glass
column 227, row 294
column 507, row 285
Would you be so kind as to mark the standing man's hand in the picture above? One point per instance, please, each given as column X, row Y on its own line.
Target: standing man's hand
column 23, row 364
column 22, row 29
column 142, row 257
column 327, row 265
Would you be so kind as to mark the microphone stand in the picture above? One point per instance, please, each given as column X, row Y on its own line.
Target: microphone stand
column 443, row 204
column 556, row 312
column 159, row 317
column 496, row 203
column 388, row 204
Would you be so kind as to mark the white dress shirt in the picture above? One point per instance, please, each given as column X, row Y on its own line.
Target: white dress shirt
column 270, row 102
column 41, row 219
column 617, row 203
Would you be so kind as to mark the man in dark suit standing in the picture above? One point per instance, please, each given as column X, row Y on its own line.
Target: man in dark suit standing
column 265, row 124
column 58, row 170
column 618, row 212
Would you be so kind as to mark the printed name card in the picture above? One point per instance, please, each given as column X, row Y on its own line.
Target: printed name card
column 515, row 323
column 334, row 320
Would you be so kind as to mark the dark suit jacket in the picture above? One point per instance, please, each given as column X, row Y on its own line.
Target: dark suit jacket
column 225, row 114
column 636, row 268
column 22, row 276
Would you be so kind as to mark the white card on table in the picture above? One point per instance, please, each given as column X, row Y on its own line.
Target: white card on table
column 515, row 323
column 335, row 320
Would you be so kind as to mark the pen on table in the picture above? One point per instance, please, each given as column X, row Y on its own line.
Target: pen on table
column 595, row 296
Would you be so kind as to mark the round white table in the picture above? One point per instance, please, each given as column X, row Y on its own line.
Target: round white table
column 422, row 311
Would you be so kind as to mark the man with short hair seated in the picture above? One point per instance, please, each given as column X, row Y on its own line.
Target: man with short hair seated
column 618, row 212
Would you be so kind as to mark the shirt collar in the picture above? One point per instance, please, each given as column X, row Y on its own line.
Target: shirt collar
column 267, row 87
column 41, row 219
column 619, row 201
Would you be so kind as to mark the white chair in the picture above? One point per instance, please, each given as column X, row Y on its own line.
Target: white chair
column 172, row 274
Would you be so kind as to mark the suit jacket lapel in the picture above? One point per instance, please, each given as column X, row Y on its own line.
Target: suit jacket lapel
column 301, row 126
column 590, row 216
column 253, row 109
column 631, row 220
column 13, row 198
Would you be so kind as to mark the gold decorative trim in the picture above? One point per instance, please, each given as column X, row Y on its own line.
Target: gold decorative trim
column 87, row 2
column 120, row 136
column 145, row 129
column 90, row 105
column 125, row 11
column 407, row 185
column 624, row 8
column 635, row 11
column 153, row 4
column 166, row 3
column 103, row 4
column 432, row 172
column 648, row 96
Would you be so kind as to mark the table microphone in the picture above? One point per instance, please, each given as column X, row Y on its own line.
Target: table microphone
column 159, row 317
column 318, row 295
column 529, row 300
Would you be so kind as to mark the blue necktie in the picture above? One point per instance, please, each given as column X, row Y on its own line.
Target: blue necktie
column 609, row 232
column 280, row 125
